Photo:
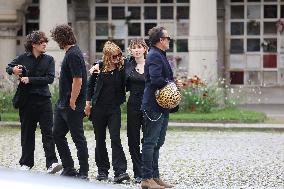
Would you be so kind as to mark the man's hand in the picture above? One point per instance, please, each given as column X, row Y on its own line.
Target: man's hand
column 179, row 83
column 87, row 110
column 25, row 80
column 17, row 70
column 72, row 104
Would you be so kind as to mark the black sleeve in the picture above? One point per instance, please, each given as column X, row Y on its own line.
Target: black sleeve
column 48, row 78
column 15, row 62
column 75, row 64
column 91, row 85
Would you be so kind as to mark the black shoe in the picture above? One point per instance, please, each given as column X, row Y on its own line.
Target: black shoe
column 102, row 176
column 83, row 176
column 69, row 172
column 137, row 180
column 121, row 177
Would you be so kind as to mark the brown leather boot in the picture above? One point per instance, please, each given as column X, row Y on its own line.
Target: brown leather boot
column 150, row 184
column 162, row 183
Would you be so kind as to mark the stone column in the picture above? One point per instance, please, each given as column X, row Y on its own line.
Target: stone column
column 52, row 13
column 8, row 34
column 203, row 40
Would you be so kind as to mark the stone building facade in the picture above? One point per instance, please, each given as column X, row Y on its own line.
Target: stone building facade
column 240, row 40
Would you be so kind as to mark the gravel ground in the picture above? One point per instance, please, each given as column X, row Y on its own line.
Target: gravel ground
column 188, row 159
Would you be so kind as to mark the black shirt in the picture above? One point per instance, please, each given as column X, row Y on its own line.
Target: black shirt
column 40, row 71
column 108, row 92
column 73, row 66
column 136, row 85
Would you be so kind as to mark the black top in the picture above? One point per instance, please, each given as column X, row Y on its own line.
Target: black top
column 135, row 84
column 73, row 66
column 40, row 71
column 97, row 84
column 108, row 93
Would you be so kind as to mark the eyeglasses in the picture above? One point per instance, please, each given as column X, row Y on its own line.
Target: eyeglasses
column 116, row 56
column 168, row 38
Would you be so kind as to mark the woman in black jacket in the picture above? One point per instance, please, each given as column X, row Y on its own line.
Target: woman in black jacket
column 135, row 84
column 106, row 91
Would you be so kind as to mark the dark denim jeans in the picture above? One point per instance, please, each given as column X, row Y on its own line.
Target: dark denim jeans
column 156, row 124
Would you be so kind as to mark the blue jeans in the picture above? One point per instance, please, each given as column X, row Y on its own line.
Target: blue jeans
column 156, row 124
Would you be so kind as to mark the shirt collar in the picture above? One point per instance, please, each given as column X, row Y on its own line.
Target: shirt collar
column 160, row 50
column 31, row 54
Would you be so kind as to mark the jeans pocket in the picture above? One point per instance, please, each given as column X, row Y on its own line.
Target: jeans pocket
column 151, row 115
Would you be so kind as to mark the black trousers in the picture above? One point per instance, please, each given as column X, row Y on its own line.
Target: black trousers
column 38, row 109
column 135, row 122
column 66, row 120
column 104, row 116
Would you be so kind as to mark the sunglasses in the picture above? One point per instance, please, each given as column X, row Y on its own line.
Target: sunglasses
column 42, row 41
column 168, row 38
column 116, row 56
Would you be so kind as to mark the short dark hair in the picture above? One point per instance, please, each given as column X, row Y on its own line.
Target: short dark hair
column 36, row 37
column 63, row 35
column 155, row 34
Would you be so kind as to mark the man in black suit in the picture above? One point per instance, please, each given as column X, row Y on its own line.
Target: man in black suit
column 35, row 71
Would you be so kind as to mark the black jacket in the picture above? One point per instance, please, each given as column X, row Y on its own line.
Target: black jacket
column 95, row 84
column 40, row 71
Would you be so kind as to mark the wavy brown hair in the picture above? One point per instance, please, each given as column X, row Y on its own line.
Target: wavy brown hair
column 63, row 35
column 140, row 43
column 36, row 37
column 110, row 48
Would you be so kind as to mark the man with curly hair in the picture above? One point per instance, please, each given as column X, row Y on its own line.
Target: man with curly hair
column 69, row 111
column 35, row 71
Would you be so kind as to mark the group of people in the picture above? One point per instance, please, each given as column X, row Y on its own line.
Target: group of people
column 99, row 98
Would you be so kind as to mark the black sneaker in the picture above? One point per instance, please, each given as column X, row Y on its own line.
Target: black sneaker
column 83, row 176
column 102, row 176
column 121, row 177
column 69, row 172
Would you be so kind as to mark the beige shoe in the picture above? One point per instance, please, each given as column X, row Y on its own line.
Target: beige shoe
column 150, row 184
column 162, row 183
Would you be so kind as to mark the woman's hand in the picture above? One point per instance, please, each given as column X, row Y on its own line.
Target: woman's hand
column 95, row 69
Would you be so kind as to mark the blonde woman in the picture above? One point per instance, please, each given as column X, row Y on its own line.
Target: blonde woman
column 106, row 92
column 135, row 84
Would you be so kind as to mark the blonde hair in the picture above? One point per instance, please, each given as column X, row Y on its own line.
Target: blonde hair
column 140, row 43
column 110, row 48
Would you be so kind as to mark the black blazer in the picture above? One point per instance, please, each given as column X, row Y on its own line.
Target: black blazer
column 95, row 84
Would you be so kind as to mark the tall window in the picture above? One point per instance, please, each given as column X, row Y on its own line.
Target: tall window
column 123, row 20
column 256, row 47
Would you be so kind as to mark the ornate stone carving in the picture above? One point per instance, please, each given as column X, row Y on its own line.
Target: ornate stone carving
column 8, row 30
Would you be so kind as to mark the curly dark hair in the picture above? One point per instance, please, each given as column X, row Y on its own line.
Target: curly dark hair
column 155, row 34
column 36, row 37
column 63, row 35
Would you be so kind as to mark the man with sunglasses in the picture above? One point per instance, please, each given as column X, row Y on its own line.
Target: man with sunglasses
column 158, row 73
column 35, row 70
